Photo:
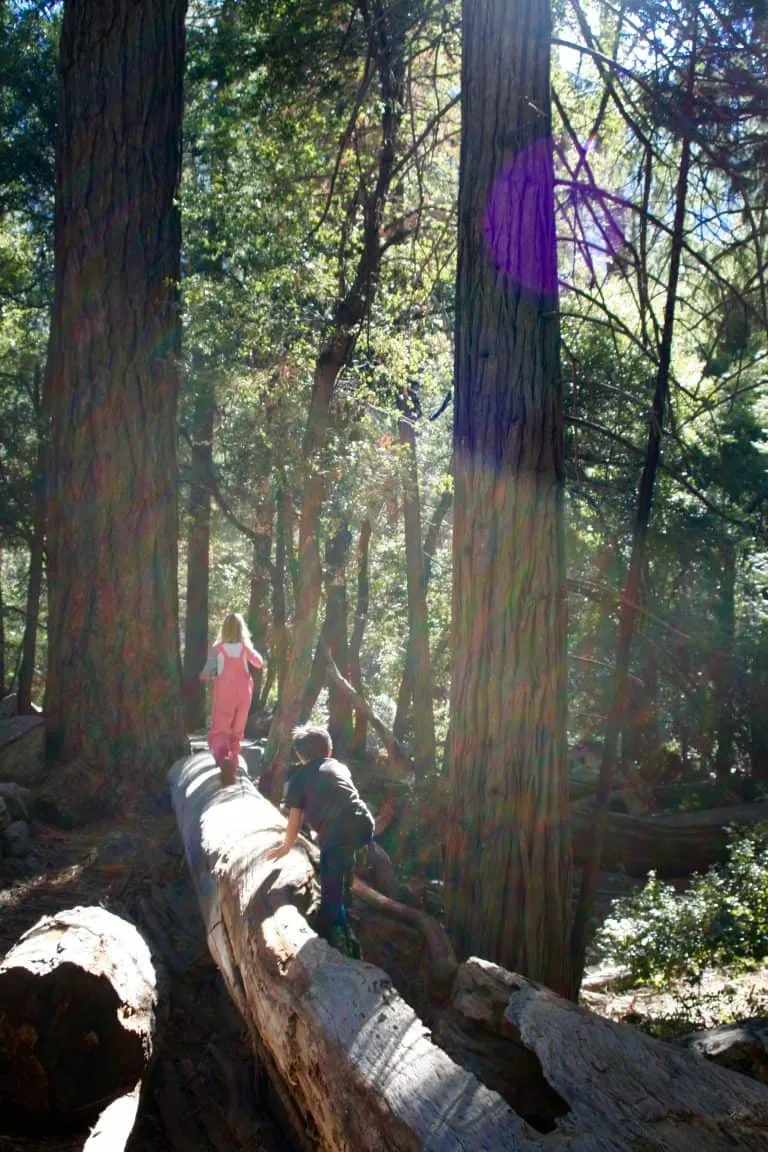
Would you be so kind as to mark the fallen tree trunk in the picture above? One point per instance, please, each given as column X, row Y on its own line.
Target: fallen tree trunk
column 78, row 998
column 352, row 1064
column 674, row 844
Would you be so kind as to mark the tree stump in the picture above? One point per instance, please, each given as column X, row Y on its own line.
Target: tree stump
column 78, row 995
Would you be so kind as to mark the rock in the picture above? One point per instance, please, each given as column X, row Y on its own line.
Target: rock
column 119, row 848
column 19, row 800
column 17, row 839
column 741, row 1047
column 76, row 793
column 22, row 749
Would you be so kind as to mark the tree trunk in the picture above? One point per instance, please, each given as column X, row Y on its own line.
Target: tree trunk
column 261, row 584
column 113, row 687
column 405, row 691
column 360, row 730
column 386, row 30
column 507, row 863
column 198, row 553
column 354, row 1066
column 723, row 687
column 78, row 1002
column 36, row 553
column 339, row 707
column 631, row 594
column 417, row 653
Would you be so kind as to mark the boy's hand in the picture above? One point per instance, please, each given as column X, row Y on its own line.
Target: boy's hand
column 276, row 853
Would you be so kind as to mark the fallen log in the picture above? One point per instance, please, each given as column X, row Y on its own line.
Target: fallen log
column 352, row 1065
column 567, row 1068
column 673, row 844
column 78, row 997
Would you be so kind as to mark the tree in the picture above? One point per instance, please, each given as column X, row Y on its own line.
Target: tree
column 113, row 690
column 507, row 864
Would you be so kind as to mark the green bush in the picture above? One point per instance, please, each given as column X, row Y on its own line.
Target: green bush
column 720, row 920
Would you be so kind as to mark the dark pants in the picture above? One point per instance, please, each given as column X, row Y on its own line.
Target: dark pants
column 336, row 864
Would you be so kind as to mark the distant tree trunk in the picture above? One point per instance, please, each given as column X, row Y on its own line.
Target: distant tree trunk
column 385, row 29
column 726, row 614
column 360, row 730
column 417, row 654
column 279, row 651
column 2, row 628
column 339, row 707
column 405, row 692
column 632, row 591
column 36, row 552
column 113, row 688
column 507, row 881
column 261, row 586
column 198, row 554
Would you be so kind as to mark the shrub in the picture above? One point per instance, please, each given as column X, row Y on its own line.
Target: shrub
column 720, row 920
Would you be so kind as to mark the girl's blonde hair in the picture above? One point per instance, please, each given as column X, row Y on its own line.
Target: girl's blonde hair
column 233, row 628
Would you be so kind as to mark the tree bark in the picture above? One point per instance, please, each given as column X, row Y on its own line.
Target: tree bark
column 78, row 1001
column 36, row 552
column 336, row 612
column 417, row 653
column 360, row 729
column 724, row 662
column 113, row 687
column 261, row 584
column 507, row 861
column 198, row 553
column 631, row 594
column 405, row 691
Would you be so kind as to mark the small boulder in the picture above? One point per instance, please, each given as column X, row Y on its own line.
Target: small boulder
column 19, row 800
column 17, row 839
column 74, row 794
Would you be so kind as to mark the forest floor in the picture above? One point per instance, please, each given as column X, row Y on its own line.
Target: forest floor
column 134, row 866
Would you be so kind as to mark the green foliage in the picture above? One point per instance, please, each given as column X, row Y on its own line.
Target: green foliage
column 720, row 920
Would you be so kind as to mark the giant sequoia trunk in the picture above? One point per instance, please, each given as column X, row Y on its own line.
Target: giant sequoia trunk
column 507, row 872
column 113, row 689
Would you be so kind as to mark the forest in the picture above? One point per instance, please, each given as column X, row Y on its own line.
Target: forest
column 431, row 336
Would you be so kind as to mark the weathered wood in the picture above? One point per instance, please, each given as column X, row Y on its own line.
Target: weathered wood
column 674, row 844
column 574, row 1070
column 114, row 1126
column 78, row 997
column 742, row 1047
column 353, row 1065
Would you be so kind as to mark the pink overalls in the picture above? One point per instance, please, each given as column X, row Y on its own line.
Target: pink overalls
column 232, row 691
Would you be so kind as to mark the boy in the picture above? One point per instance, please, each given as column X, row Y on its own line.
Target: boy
column 322, row 792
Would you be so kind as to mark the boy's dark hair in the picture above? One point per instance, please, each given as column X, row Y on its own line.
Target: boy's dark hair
column 312, row 742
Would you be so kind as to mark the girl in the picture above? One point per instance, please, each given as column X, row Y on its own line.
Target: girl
column 227, row 664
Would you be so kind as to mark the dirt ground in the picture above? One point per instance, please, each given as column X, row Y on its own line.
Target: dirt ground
column 204, row 1089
